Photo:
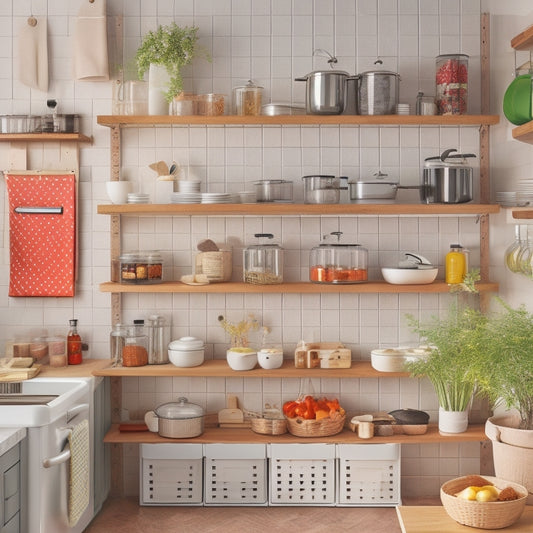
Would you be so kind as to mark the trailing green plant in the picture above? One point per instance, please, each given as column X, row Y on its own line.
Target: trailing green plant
column 455, row 343
column 469, row 282
column 173, row 47
column 505, row 368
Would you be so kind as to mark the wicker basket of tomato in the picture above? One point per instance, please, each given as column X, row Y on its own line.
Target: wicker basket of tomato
column 314, row 417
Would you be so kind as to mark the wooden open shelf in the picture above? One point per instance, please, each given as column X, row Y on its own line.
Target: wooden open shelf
column 44, row 137
column 524, row 133
column 474, row 433
column 282, row 209
column 522, row 213
column 524, row 40
column 354, row 120
column 299, row 287
column 220, row 368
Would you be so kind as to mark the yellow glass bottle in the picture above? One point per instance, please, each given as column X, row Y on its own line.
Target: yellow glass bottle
column 455, row 264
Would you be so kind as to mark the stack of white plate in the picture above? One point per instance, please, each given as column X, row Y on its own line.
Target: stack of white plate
column 403, row 109
column 138, row 198
column 218, row 198
column 506, row 199
column 186, row 198
column 189, row 185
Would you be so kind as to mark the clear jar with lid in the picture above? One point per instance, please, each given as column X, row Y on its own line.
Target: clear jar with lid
column 135, row 349
column 141, row 267
column 263, row 262
column 452, row 84
column 247, row 99
column 335, row 262
column 116, row 343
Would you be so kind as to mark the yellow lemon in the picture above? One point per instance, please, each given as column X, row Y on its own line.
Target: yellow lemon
column 486, row 495
column 467, row 494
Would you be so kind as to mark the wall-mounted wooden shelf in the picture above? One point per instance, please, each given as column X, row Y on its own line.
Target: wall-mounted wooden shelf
column 349, row 120
column 44, row 137
column 524, row 40
column 282, row 209
column 220, row 368
column 299, row 287
column 522, row 213
column 474, row 433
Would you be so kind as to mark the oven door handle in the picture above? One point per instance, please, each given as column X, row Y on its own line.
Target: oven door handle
column 71, row 413
column 63, row 457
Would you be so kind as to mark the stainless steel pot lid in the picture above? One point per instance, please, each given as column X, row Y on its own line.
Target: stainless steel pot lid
column 180, row 410
column 323, row 72
column 370, row 73
column 448, row 158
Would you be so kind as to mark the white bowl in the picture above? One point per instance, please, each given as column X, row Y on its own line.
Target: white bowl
column 394, row 359
column 409, row 276
column 269, row 358
column 186, row 352
column 117, row 191
column 241, row 360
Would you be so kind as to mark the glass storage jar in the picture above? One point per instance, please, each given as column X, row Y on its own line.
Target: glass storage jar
column 263, row 262
column 135, row 349
column 452, row 84
column 335, row 262
column 247, row 99
column 141, row 267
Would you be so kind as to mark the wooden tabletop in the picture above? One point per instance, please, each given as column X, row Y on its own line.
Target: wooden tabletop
column 434, row 519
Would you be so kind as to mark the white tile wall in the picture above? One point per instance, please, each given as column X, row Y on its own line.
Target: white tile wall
column 271, row 41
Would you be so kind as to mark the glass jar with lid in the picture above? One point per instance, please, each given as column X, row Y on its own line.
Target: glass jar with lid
column 141, row 267
column 335, row 262
column 247, row 99
column 263, row 262
column 135, row 349
column 452, row 84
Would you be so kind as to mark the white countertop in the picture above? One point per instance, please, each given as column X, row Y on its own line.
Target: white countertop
column 9, row 437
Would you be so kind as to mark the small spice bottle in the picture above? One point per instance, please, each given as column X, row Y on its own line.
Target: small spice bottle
column 74, row 344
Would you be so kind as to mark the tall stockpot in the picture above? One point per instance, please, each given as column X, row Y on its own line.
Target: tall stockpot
column 447, row 179
column 378, row 92
column 325, row 92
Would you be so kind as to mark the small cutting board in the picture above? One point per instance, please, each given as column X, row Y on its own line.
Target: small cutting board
column 18, row 374
column 232, row 414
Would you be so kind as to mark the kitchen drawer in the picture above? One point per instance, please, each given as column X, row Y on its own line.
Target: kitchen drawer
column 12, row 481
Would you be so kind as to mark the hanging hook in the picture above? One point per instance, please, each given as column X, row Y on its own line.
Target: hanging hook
column 324, row 53
column 32, row 21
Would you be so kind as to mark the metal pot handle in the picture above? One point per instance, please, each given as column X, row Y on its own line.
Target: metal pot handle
column 301, row 79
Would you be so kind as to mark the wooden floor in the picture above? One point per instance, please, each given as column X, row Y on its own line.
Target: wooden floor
column 126, row 516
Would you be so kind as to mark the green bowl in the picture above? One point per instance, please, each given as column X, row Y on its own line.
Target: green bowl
column 517, row 100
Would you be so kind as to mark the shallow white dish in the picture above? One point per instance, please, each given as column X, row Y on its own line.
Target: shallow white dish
column 409, row 276
column 394, row 359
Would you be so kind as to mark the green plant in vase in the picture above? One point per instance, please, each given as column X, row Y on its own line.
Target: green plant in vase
column 455, row 343
column 172, row 47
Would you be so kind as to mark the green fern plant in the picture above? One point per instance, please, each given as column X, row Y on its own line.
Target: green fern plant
column 173, row 47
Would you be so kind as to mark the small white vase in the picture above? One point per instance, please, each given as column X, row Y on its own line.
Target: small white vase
column 158, row 84
column 452, row 421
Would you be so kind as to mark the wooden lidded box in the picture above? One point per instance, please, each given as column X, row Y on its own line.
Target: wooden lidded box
column 322, row 355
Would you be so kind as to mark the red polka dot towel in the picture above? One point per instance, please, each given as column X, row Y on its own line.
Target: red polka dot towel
column 42, row 234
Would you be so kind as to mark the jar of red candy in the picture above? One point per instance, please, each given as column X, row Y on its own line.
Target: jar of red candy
column 452, row 84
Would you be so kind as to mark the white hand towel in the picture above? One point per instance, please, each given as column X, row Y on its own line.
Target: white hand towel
column 33, row 54
column 90, row 42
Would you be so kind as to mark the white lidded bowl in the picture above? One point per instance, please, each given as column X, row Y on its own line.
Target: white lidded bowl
column 269, row 358
column 409, row 276
column 238, row 360
column 394, row 359
column 186, row 352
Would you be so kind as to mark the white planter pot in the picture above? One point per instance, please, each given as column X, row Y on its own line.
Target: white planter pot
column 158, row 83
column 512, row 450
column 452, row 421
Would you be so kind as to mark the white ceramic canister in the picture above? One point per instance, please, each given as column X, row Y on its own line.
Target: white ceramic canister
column 269, row 358
column 186, row 352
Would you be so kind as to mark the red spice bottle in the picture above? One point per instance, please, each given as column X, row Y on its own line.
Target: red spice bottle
column 74, row 344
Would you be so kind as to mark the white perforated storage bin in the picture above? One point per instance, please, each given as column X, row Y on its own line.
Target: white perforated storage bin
column 368, row 475
column 171, row 474
column 235, row 474
column 302, row 474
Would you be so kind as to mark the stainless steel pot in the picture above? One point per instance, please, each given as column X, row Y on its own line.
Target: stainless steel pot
column 378, row 189
column 325, row 92
column 378, row 92
column 273, row 191
column 323, row 189
column 447, row 179
column 176, row 420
